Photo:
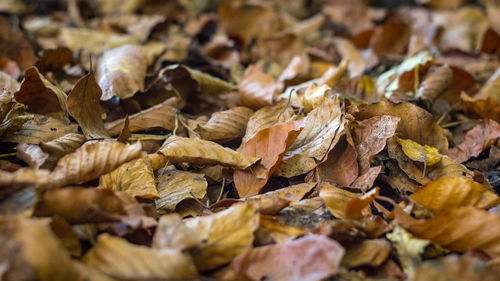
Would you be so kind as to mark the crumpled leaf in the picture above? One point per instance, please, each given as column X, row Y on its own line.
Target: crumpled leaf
column 479, row 138
column 272, row 202
column 367, row 252
column 134, row 178
column 119, row 259
column 41, row 128
column 257, row 88
column 313, row 257
column 179, row 149
column 224, row 126
column 224, row 235
column 321, row 132
column 84, row 105
column 409, row 248
column 337, row 200
column 80, row 205
column 449, row 192
column 172, row 233
column 415, row 124
column 160, row 115
column 270, row 145
column 122, row 71
column 435, row 83
column 175, row 186
column 39, row 94
column 421, row 153
column 92, row 160
column 59, row 147
column 13, row 116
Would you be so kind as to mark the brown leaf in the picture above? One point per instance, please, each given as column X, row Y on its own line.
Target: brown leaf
column 415, row 124
column 391, row 38
column 224, row 235
column 42, row 128
column 267, row 117
column 270, row 145
column 80, row 205
column 54, row 59
column 125, row 133
column 59, row 147
column 321, row 132
column 366, row 180
column 448, row 167
column 487, row 108
column 274, row 230
column 367, row 252
column 39, row 94
column 257, row 88
column 310, row 258
column 172, row 233
column 119, row 259
column 337, row 200
column 93, row 41
column 479, row 138
column 179, row 149
column 272, row 202
column 447, row 192
column 84, row 105
column 21, row 178
column 122, row 72
column 175, row 186
column 135, row 178
column 412, row 170
column 224, row 126
column 92, row 160
column 160, row 115
column 435, row 83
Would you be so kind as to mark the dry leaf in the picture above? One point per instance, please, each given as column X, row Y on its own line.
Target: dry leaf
column 21, row 178
column 435, row 83
column 122, row 72
column 367, row 252
column 12, row 117
column 321, row 132
column 80, row 205
column 447, row 192
column 178, row 149
column 310, row 258
column 224, row 126
column 486, row 108
column 271, row 229
column 175, row 186
column 479, row 138
column 314, row 96
column 447, row 167
column 257, row 88
column 366, row 180
column 39, row 94
column 31, row 154
column 172, row 233
column 337, row 200
column 59, row 147
column 93, row 41
column 135, row 178
column 272, row 202
column 92, row 160
column 224, row 235
column 409, row 248
column 270, row 145
column 119, row 259
column 84, row 105
column 411, row 169
column 42, row 128
column 421, row 153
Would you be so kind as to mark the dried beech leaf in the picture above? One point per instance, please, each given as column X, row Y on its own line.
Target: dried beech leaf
column 421, row 153
column 32, row 154
column 336, row 200
column 178, row 149
column 321, row 132
column 367, row 252
column 447, row 167
column 172, row 233
column 80, row 205
column 224, row 235
column 314, row 96
column 415, row 124
column 486, row 108
column 366, row 180
column 491, row 89
column 125, row 132
column 272, row 229
column 370, row 137
column 447, row 192
column 21, row 178
column 84, row 105
column 42, row 128
column 435, row 83
column 409, row 248
column 479, row 138
column 406, row 164
column 92, row 160
column 122, row 72
column 59, row 147
column 93, row 41
column 270, row 145
column 39, row 94
column 119, row 259
column 311, row 258
column 257, row 88
column 267, row 117
column 272, row 202
column 7, row 83
column 175, row 186
column 135, row 178
column 12, row 117
column 224, row 126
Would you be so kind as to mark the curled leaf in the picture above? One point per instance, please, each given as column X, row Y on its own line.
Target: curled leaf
column 224, row 126
column 266, row 117
column 367, row 252
column 41, row 128
column 257, row 88
column 420, row 153
column 479, row 138
column 435, row 83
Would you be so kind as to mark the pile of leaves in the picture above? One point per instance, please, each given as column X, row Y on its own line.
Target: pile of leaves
column 249, row 140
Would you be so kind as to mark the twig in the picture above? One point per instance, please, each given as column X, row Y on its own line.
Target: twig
column 221, row 190
column 6, row 155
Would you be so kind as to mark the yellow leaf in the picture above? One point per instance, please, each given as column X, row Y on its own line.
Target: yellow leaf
column 417, row 152
column 409, row 248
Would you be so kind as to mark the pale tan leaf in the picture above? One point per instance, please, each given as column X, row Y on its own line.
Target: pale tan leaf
column 257, row 88
column 409, row 248
column 93, row 41
column 479, row 138
column 448, row 167
column 172, row 233
column 321, row 132
column 272, row 202
column 175, row 186
column 122, row 71
column 135, row 178
column 42, row 128
column 178, row 149
column 224, row 126
column 119, row 259
column 225, row 235
column 23, row 177
column 59, row 147
column 31, row 154
column 367, row 252
column 92, row 160
column 8, row 83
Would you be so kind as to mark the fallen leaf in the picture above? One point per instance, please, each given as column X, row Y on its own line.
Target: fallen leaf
column 479, row 138
column 409, row 248
column 92, row 160
column 93, row 41
column 175, row 186
column 337, row 200
column 225, row 126
column 486, row 108
column 39, row 94
column 435, row 83
column 7, row 83
column 134, row 177
column 41, row 128
column 270, row 145
column 257, row 88
column 272, row 202
column 271, row 228
column 224, row 235
column 448, row 167
column 390, row 38
column 447, row 192
column 421, row 153
column 178, row 149
column 172, row 233
column 119, row 259
column 294, row 260
column 31, row 154
column 125, row 133
column 122, row 71
column 366, row 180
column 21, row 178
column 59, row 147
column 80, row 205
column 407, row 164
column 367, row 252
column 12, row 117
